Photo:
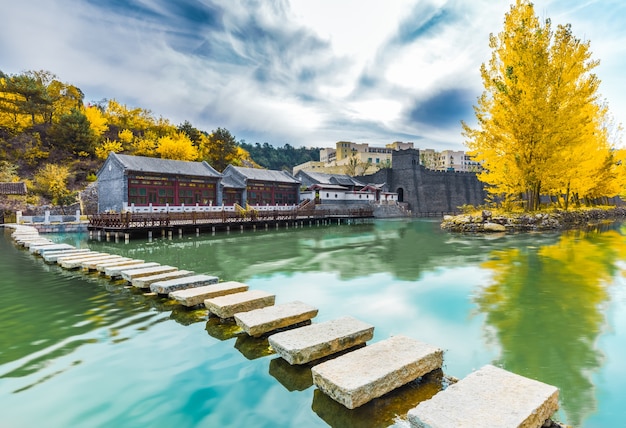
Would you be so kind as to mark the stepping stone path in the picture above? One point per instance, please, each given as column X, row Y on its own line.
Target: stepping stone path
column 488, row 397
column 227, row 306
column 38, row 249
column 131, row 274
column 315, row 341
column 116, row 271
column 93, row 264
column 145, row 281
column 167, row 286
column 264, row 320
column 51, row 256
column 358, row 377
column 196, row 296
column 76, row 262
column 103, row 266
column 70, row 255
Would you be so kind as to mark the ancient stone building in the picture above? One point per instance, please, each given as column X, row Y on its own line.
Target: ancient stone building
column 428, row 191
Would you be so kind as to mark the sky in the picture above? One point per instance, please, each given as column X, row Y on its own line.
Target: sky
column 299, row 72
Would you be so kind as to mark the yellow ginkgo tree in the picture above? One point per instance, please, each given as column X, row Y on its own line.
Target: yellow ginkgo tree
column 541, row 128
column 177, row 146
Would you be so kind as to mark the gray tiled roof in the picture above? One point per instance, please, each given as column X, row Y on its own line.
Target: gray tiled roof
column 265, row 175
column 13, row 188
column 319, row 177
column 232, row 182
column 324, row 178
column 167, row 166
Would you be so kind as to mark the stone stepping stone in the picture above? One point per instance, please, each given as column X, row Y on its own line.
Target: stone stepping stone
column 196, row 296
column 39, row 242
column 315, row 341
column 116, row 271
column 227, row 306
column 146, row 281
column 25, row 233
column 41, row 249
column 76, row 262
column 358, row 377
column 490, row 396
column 264, row 320
column 51, row 256
column 131, row 274
column 20, row 239
column 82, row 254
column 167, row 286
column 102, row 266
column 93, row 263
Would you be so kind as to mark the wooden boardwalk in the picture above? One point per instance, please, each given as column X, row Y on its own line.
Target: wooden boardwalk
column 196, row 221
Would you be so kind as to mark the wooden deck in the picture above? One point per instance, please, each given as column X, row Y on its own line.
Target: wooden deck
column 132, row 223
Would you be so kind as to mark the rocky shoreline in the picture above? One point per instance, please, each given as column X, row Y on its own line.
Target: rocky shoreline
column 486, row 222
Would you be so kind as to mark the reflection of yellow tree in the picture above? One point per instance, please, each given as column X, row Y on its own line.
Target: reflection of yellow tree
column 544, row 306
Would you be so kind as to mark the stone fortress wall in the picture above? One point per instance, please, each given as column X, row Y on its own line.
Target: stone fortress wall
column 425, row 190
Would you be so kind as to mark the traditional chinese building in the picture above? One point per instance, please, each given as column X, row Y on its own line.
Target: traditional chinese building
column 259, row 186
column 309, row 178
column 125, row 181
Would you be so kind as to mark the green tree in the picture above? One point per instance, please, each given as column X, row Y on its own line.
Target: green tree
column 219, row 149
column 540, row 125
column 27, row 94
column 74, row 133
column 194, row 134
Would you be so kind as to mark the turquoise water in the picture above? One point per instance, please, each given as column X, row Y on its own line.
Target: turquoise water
column 80, row 350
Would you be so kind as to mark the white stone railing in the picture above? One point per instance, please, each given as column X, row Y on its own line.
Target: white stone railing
column 47, row 218
column 201, row 208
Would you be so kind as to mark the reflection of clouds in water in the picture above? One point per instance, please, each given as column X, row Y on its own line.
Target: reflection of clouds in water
column 610, row 393
column 437, row 309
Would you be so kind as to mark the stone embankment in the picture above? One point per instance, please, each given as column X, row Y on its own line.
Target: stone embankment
column 486, row 222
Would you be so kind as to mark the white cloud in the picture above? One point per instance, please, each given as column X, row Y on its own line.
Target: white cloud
column 307, row 73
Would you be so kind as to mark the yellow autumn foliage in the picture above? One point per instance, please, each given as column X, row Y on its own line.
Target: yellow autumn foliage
column 177, row 146
column 108, row 146
column 97, row 121
column 541, row 129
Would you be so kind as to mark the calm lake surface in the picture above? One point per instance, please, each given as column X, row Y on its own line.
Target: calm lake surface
column 78, row 350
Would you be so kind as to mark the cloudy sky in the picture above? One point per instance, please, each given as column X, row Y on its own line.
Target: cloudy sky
column 303, row 72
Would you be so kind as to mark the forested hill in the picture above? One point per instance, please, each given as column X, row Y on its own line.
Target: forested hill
column 56, row 142
column 280, row 158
